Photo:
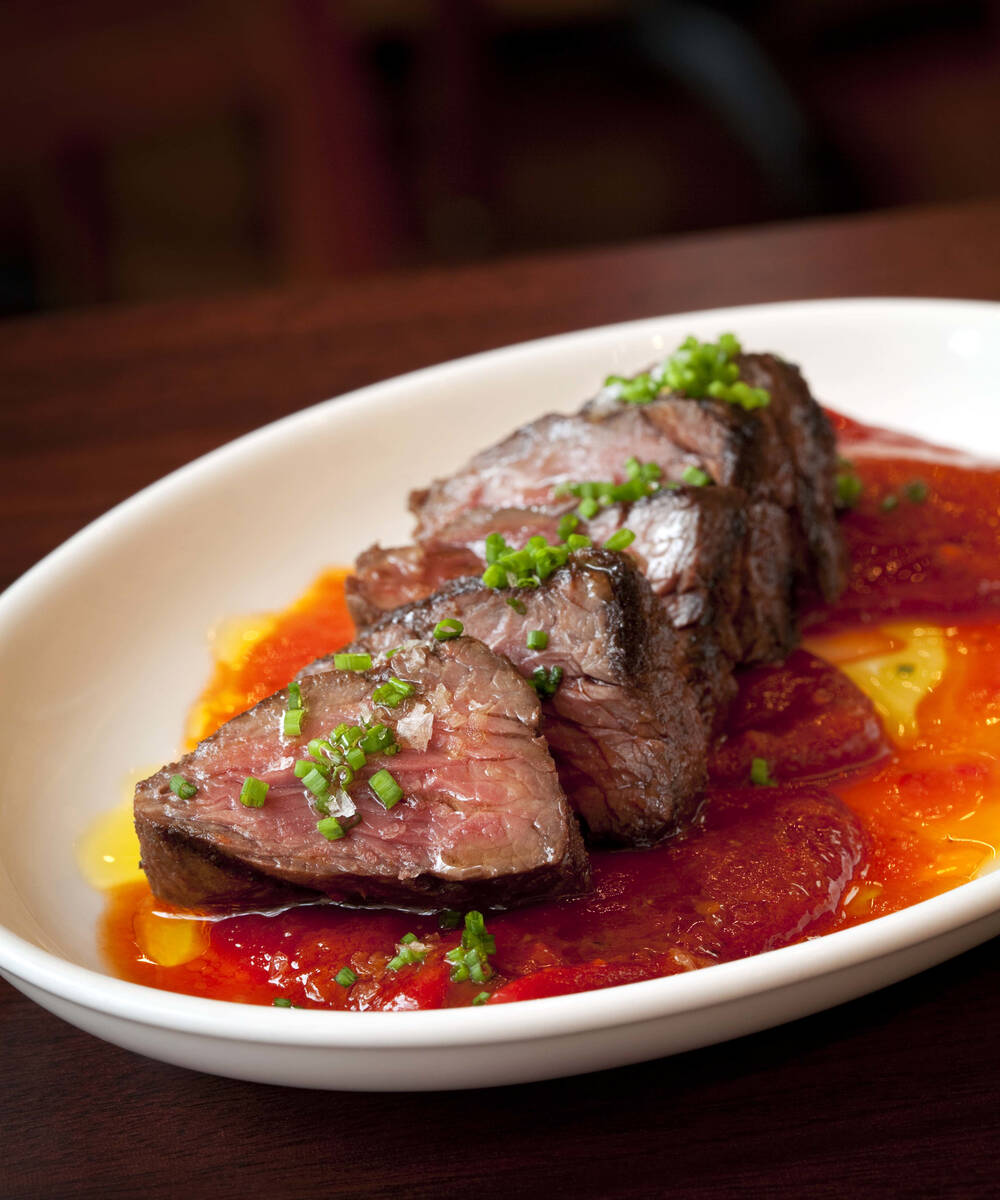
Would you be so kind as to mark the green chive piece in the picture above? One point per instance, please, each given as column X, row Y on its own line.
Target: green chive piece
column 537, row 639
column 905, row 669
column 889, row 503
column 407, row 938
column 356, row 758
column 316, row 782
column 481, row 998
column 847, row 486
column 393, row 692
column 517, row 605
column 254, row 792
column 916, row 491
column 577, row 541
column 448, row 628
column 695, row 476
column 696, row 369
column 294, row 695
column 620, row 540
column 546, row 681
column 567, row 525
column 282, row 1002
column 449, row 919
column 291, row 723
column 331, row 829
column 345, row 977
column 760, row 773
column 352, row 662
column 182, row 787
column 386, row 789
column 470, row 959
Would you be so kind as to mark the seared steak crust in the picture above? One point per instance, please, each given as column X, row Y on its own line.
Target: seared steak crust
column 483, row 819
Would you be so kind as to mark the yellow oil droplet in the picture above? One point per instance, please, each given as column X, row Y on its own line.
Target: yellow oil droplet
column 861, row 902
column 896, row 679
column 169, row 941
column 231, row 642
column 232, row 638
column 108, row 852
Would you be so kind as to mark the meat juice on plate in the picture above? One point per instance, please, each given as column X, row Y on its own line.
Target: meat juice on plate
column 857, row 778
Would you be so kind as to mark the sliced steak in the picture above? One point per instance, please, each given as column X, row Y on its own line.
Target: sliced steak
column 800, row 426
column 627, row 724
column 715, row 562
column 782, row 454
column 384, row 579
column 483, row 819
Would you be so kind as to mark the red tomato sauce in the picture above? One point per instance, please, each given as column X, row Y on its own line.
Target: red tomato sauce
column 858, row 824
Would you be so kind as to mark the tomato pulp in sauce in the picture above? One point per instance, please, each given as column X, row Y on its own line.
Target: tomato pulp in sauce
column 858, row 814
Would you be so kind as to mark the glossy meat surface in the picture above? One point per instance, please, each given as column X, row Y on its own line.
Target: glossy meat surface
column 482, row 820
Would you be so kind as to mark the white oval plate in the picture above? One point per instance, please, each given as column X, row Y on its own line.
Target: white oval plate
column 102, row 650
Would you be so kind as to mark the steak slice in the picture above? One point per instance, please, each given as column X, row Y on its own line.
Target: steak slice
column 715, row 562
column 626, row 725
column 483, row 819
column 384, row 579
column 782, row 454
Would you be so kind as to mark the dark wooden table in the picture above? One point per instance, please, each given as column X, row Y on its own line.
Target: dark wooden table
column 897, row 1094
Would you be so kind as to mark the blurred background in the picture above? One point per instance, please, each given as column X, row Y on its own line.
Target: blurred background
column 164, row 149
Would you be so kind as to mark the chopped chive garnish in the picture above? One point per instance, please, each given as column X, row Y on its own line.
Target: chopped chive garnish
column 379, row 739
column 640, row 389
column 316, row 782
column 254, row 792
column 352, row 662
column 905, row 669
column 760, row 773
column 537, row 639
column 393, row 692
column 577, row 541
column 495, row 576
column 567, row 525
column 345, row 977
column 517, row 605
column 620, row 540
column 916, row 491
column 291, row 723
column 546, row 681
column 449, row 919
column 386, row 788
column 355, row 758
column 696, row 369
column 848, row 490
column 448, row 628
column 331, row 829
column 409, row 951
column 481, row 998
column 889, row 503
column 695, row 476
column 282, row 1002
column 642, row 480
column 182, row 787
column 469, row 960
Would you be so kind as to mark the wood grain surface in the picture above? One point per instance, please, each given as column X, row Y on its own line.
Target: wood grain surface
column 896, row 1094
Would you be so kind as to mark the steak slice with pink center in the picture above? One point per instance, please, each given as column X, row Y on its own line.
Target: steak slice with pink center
column 482, row 819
